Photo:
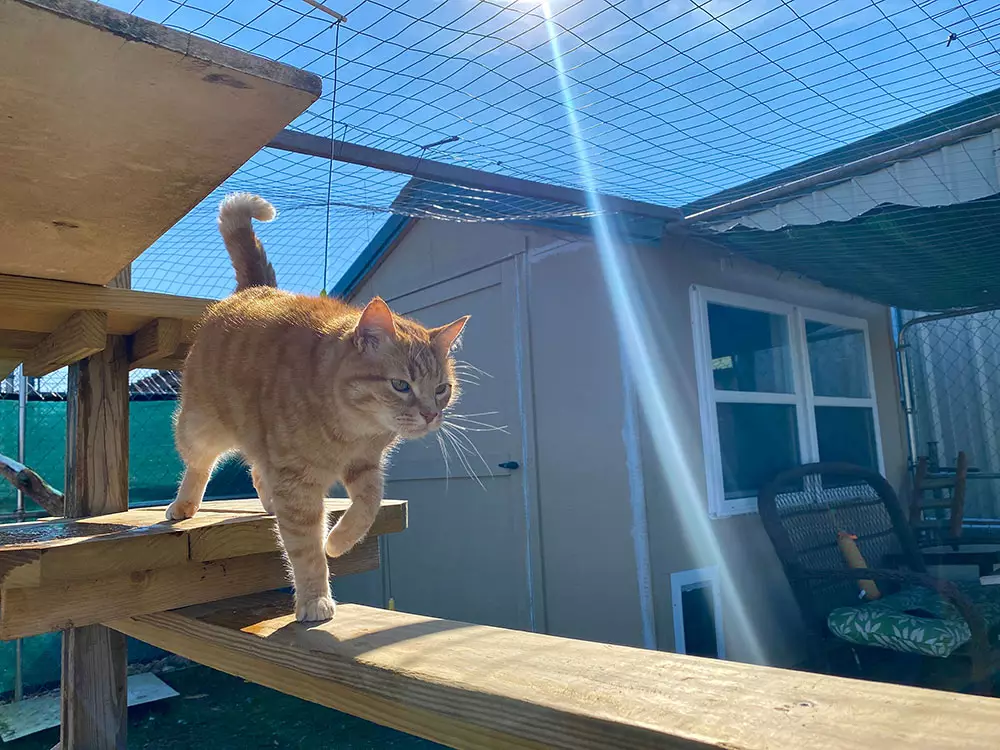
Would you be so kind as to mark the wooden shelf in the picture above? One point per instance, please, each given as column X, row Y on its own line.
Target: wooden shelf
column 32, row 310
column 68, row 573
column 114, row 128
column 476, row 687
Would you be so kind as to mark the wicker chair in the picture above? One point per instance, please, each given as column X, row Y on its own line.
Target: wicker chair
column 804, row 508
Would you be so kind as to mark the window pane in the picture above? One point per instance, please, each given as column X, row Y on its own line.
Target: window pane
column 838, row 360
column 757, row 441
column 847, row 434
column 749, row 350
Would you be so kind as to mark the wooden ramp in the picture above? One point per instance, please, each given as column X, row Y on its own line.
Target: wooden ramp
column 69, row 573
column 475, row 687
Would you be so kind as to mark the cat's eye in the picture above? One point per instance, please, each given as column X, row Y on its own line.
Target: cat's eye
column 442, row 389
column 400, row 385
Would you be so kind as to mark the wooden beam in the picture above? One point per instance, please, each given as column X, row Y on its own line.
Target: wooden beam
column 452, row 174
column 475, row 687
column 156, row 340
column 58, row 554
column 94, row 680
column 235, row 539
column 175, row 361
column 39, row 305
column 32, row 611
column 85, row 333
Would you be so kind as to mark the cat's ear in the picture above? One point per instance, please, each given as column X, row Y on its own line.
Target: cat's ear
column 375, row 325
column 445, row 337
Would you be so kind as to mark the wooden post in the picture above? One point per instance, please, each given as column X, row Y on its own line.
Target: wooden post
column 94, row 658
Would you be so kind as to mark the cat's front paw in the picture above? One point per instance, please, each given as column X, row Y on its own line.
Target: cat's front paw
column 337, row 545
column 178, row 512
column 315, row 610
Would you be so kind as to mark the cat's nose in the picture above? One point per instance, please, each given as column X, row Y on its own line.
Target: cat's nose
column 429, row 416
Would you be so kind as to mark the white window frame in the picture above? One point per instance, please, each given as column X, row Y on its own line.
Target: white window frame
column 802, row 398
column 687, row 578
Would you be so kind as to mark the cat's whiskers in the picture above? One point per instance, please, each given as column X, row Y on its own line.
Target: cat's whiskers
column 463, row 456
column 461, row 364
column 444, row 455
column 461, row 437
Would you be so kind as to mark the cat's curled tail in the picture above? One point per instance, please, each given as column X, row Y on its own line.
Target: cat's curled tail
column 246, row 252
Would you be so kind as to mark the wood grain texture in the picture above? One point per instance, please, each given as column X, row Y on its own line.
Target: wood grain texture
column 97, row 433
column 31, row 611
column 119, row 130
column 60, row 574
column 41, row 305
column 52, row 552
column 94, row 705
column 233, row 540
column 94, row 689
column 480, row 688
column 85, row 333
column 156, row 340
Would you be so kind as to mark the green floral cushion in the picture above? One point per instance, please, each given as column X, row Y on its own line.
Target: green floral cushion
column 916, row 620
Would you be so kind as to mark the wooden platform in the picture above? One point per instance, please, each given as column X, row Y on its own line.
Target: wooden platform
column 475, row 687
column 51, row 324
column 113, row 128
column 68, row 573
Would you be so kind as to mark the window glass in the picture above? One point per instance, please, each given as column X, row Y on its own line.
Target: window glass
column 750, row 350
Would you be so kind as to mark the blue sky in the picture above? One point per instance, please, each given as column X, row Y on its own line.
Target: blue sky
column 677, row 100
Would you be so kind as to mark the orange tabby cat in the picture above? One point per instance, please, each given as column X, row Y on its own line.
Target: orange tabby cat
column 312, row 391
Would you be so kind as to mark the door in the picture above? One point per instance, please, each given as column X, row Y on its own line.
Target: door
column 467, row 554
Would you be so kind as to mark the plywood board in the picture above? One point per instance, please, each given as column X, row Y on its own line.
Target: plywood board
column 120, row 128
column 481, row 688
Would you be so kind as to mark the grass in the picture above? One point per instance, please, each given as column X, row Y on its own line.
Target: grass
column 220, row 712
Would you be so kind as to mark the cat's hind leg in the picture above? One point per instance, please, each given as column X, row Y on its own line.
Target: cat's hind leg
column 263, row 491
column 199, row 449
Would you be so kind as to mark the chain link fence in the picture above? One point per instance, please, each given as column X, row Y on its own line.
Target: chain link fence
column 951, row 391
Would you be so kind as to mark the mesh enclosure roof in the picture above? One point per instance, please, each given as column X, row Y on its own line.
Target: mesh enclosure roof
column 927, row 259
column 680, row 103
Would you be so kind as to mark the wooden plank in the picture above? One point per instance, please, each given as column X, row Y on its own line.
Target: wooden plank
column 97, row 433
column 38, row 713
column 74, row 562
column 234, row 540
column 31, row 611
column 46, row 553
column 18, row 343
column 477, row 687
column 156, row 340
column 85, row 333
column 93, row 689
column 174, row 362
column 41, row 305
column 119, row 130
column 94, row 658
